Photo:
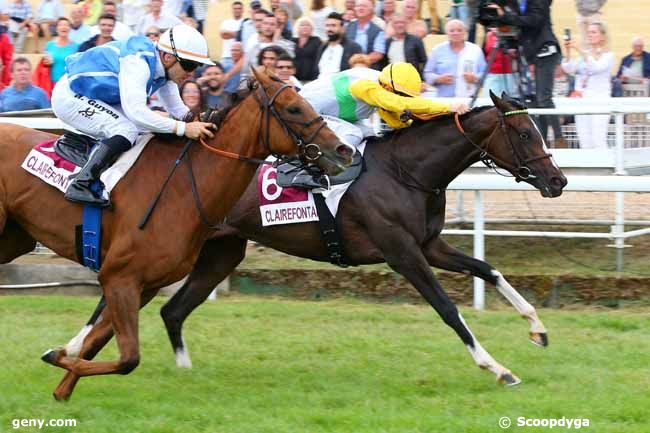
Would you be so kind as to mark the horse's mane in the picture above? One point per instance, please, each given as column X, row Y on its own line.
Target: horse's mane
column 435, row 120
column 216, row 115
column 517, row 105
column 219, row 113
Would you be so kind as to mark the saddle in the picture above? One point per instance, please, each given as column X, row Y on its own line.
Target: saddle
column 287, row 171
column 74, row 147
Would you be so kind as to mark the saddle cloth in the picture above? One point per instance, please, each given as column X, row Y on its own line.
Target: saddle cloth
column 43, row 162
column 286, row 205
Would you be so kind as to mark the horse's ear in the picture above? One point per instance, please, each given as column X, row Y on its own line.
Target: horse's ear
column 504, row 95
column 259, row 74
column 498, row 102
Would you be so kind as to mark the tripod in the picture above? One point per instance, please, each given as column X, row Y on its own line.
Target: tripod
column 506, row 42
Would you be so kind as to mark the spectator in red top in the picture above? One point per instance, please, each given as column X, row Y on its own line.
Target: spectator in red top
column 500, row 77
column 6, row 57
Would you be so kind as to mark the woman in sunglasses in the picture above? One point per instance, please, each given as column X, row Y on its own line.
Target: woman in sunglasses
column 347, row 99
column 104, row 95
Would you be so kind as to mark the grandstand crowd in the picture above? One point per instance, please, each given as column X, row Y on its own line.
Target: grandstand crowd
column 302, row 42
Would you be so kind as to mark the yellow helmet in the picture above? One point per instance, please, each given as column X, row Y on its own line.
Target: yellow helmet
column 401, row 78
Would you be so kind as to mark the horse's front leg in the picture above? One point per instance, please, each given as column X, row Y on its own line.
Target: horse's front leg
column 403, row 254
column 90, row 341
column 441, row 255
column 123, row 305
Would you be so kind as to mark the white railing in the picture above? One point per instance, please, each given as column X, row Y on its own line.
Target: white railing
column 587, row 170
column 619, row 159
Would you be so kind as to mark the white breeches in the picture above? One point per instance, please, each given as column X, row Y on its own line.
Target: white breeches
column 90, row 116
column 348, row 133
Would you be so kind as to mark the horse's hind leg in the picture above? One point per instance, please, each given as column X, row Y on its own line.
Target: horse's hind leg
column 217, row 259
column 14, row 240
column 403, row 254
column 442, row 255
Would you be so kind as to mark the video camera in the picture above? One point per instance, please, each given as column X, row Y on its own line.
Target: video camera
column 489, row 16
column 508, row 35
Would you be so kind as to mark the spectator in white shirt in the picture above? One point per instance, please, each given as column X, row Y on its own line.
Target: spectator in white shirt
column 133, row 11
column 121, row 31
column 157, row 17
column 79, row 31
column 48, row 12
column 230, row 28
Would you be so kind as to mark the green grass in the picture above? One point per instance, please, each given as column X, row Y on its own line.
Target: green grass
column 269, row 365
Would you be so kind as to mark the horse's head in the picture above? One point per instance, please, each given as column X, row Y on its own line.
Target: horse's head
column 518, row 146
column 290, row 126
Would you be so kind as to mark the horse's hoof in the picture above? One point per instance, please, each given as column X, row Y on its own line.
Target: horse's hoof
column 508, row 379
column 539, row 339
column 51, row 356
column 61, row 396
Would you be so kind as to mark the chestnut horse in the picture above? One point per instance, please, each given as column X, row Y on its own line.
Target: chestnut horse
column 136, row 263
column 394, row 213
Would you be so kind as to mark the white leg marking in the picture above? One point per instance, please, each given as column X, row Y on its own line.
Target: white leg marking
column 183, row 356
column 481, row 357
column 73, row 348
column 520, row 304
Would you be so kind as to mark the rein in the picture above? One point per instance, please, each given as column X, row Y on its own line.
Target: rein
column 306, row 149
column 521, row 171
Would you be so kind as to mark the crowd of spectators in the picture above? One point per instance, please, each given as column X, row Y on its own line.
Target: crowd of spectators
column 302, row 42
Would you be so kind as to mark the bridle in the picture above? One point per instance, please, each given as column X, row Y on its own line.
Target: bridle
column 520, row 171
column 307, row 150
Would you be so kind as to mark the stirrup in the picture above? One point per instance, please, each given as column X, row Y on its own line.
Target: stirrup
column 81, row 194
column 306, row 180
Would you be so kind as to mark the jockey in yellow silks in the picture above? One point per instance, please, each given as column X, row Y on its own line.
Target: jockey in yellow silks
column 347, row 99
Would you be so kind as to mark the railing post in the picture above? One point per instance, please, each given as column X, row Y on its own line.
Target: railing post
column 479, row 249
column 619, row 217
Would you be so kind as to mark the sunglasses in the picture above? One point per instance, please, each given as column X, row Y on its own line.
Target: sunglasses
column 152, row 34
column 186, row 65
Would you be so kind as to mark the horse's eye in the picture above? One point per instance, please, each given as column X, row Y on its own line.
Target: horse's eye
column 524, row 136
column 294, row 110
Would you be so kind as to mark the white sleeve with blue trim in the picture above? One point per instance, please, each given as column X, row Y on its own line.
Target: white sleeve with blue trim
column 133, row 78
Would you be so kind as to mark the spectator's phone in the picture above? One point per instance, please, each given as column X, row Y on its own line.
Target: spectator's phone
column 567, row 34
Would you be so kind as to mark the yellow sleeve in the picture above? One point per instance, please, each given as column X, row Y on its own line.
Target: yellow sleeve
column 392, row 119
column 373, row 94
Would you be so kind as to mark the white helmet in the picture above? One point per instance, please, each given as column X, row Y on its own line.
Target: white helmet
column 185, row 42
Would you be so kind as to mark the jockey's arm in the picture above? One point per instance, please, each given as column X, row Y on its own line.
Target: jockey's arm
column 133, row 77
column 172, row 101
column 392, row 105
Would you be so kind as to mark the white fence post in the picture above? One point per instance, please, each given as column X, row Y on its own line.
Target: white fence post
column 479, row 248
column 619, row 217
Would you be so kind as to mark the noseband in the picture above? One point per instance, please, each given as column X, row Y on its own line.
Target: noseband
column 308, row 151
column 521, row 171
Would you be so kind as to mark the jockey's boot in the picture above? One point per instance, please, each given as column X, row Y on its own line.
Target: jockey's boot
column 310, row 178
column 102, row 157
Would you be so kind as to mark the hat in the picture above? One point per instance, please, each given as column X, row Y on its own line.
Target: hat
column 256, row 4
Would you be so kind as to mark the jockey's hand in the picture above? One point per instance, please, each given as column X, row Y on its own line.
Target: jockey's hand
column 459, row 107
column 405, row 116
column 197, row 130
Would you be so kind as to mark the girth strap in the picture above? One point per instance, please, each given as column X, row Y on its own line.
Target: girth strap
column 330, row 233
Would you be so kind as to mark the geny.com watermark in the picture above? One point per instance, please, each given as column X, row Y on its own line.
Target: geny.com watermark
column 17, row 423
column 566, row 423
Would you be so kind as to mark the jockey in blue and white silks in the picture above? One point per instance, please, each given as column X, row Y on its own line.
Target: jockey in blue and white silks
column 104, row 95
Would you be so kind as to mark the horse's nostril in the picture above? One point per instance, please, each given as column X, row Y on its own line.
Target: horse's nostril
column 558, row 182
column 345, row 150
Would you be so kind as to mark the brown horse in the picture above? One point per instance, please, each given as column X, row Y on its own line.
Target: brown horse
column 136, row 263
column 394, row 213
